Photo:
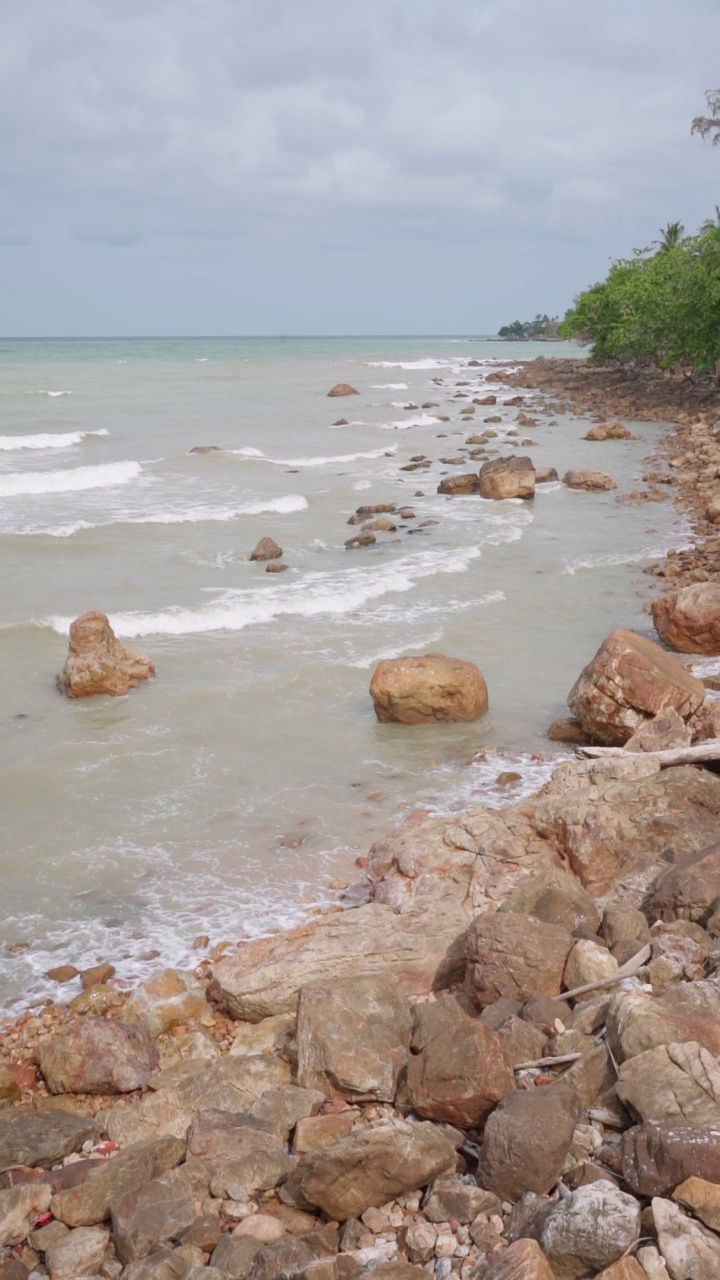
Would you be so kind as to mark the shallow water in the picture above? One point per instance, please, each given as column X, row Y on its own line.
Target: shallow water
column 229, row 793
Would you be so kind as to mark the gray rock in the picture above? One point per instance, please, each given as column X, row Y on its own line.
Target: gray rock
column 353, row 1037
column 79, row 1253
column 146, row 1218
column 32, row 1137
column 691, row 1252
column 589, row 1230
column 19, row 1209
column 526, row 1141
column 89, row 1203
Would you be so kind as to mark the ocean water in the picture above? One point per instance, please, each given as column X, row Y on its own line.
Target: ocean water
column 238, row 788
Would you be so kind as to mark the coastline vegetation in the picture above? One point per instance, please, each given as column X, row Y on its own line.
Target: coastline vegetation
column 541, row 328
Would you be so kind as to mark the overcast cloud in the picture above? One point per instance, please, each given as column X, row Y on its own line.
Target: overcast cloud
column 314, row 166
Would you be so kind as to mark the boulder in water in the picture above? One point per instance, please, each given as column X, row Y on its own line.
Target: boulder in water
column 689, row 619
column 267, row 549
column 586, row 478
column 343, row 389
column 98, row 662
column 511, row 477
column 428, row 689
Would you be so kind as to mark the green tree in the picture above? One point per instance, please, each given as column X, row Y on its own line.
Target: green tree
column 672, row 234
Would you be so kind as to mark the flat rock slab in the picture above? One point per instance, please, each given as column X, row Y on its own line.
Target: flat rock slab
column 30, row 1137
column 672, row 1082
column 353, row 1037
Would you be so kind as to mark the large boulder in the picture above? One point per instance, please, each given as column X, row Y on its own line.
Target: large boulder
column 515, row 956
column 638, row 1021
column 458, row 1072
column 30, row 1137
column 424, row 951
column 610, row 431
column 556, row 897
column 454, row 486
column 96, row 1055
column 373, row 1166
column 427, row 690
column 672, row 1082
column 526, row 1141
column 689, row 619
column 89, row 1203
column 343, row 389
column 594, row 1227
column 511, row 477
column 353, row 1037
column 266, row 549
column 587, row 478
column 655, row 1158
column 98, row 662
column 629, row 681
column 166, row 998
column 687, row 891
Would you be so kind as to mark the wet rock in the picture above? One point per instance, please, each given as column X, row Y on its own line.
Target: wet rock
column 276, row 566
column 343, row 389
column 373, row 1166
column 568, row 729
column 691, row 1252
column 99, row 973
column 467, row 482
column 98, row 662
column 689, row 619
column 266, row 549
column 360, row 540
column 510, row 477
column 97, row 1056
column 590, row 1230
column 166, row 998
column 62, row 973
column 79, row 1253
column 546, row 475
column 89, row 1203
column 657, row 1158
column 689, row 890
column 30, row 1137
column 516, row 957
column 428, row 689
column 555, row 897
column 526, row 1141
column 424, row 951
column 672, row 1082
column 586, row 478
column 206, row 448
column 460, row 1071
column 147, row 1217
column 522, row 1260
column 353, row 1038
column 20, row 1207
column 380, row 525
column 610, row 431
column 629, row 681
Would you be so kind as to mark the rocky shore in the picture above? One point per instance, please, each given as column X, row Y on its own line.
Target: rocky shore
column 503, row 1065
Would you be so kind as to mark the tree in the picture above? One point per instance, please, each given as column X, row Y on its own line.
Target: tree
column 672, row 234
column 709, row 126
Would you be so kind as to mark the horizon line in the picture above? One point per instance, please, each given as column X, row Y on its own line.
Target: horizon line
column 209, row 337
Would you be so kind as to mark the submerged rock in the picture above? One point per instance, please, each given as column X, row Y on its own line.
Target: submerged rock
column 98, row 662
column 586, row 478
column 428, row 689
column 343, row 389
column 266, row 549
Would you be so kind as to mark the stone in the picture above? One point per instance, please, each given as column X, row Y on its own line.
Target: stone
column 262, row 1227
column 427, row 690
column 98, row 662
column 664, row 732
column 30, row 1137
column 624, row 1269
column 621, row 923
column 515, row 956
column 526, row 1141
column 41, row 1239
column 96, row 1055
column 360, row 540
column 546, row 475
column 460, row 1072
column 163, row 1264
column 657, row 1158
column 589, row 1230
column 373, row 1166
column 79, row 1253
column 688, row 620
column 266, row 549
column 99, row 973
column 89, row 1203
column 690, row 1251
column 521, row 1041
column 420, row 1240
column 146, row 1217
column 9, row 1088
column 522, row 1260
column 290, row 1257
column 166, row 998
column 510, row 477
column 285, row 1106
column 459, row 485
column 62, row 973
column 568, row 729
column 321, row 1131
column 688, row 890
column 609, row 431
column 460, row 1199
column 242, row 1142
column 269, row 1036
column 638, row 1021
column 234, row 1255
column 672, row 1082
column 343, row 389
column 20, row 1207
column 629, row 681
column 276, row 566
column 353, row 1037
column 380, row 524
column 206, row 448
column 588, row 962
column 587, row 478
column 703, row 1198
column 555, row 897
column 424, row 951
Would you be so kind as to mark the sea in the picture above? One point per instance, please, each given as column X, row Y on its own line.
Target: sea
column 234, row 793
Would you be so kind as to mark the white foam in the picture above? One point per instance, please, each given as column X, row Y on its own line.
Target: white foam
column 362, row 484
column 322, row 461
column 607, row 561
column 389, row 386
column 73, row 480
column 46, row 440
column 286, row 505
column 49, row 393
column 412, row 364
column 421, row 420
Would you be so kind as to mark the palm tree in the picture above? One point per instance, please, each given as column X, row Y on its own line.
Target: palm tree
column 672, row 236
column 709, row 126
column 712, row 224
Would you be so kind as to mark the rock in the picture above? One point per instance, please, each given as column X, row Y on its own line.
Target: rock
column 568, row 729
column 638, row 1021
column 453, row 1198
column 234, row 1255
column 98, row 662
column 624, row 924
column 585, row 478
column 276, row 566
column 691, row 1252
column 629, row 681
column 99, row 973
column 19, row 1209
column 292, row 1257
column 554, row 897
column 521, row 1041
column 79, row 1253
column 266, row 549
column 672, row 1082
column 206, row 448
column 373, row 1166
column 286, row 1106
column 9, row 1088
column 467, row 482
column 321, row 1131
column 689, row 890
column 428, row 689
column 546, row 475
column 375, row 509
column 526, row 1141
column 460, row 1072
column 589, row 1230
column 251, row 1155
column 588, row 962
column 424, row 951
column 522, row 1260
column 343, row 389
column 146, row 1217
column 703, row 1198
column 591, row 1076
column 97, row 1056
column 62, row 973
column 30, row 1137
column 689, row 619
column 609, row 431
column 420, row 1240
column 166, row 998
column 89, row 1203
column 380, row 524
column 513, row 956
column 262, row 1227
column 353, row 1038
column 269, row 1036
column 360, row 540
column 656, row 1158
column 665, row 731
column 624, row 1269
column 510, row 477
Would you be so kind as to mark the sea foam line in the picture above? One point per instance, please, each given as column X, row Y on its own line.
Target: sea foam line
column 46, row 440
column 195, row 515
column 73, row 480
column 259, row 456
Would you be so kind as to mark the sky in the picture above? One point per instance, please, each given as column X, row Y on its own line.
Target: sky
column 320, row 166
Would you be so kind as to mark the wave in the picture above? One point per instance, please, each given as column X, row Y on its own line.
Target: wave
column 318, row 594
column 195, row 515
column 49, row 393
column 389, row 386
column 422, row 420
column 609, row 561
column 412, row 364
column 46, row 440
column 70, row 481
column 310, row 462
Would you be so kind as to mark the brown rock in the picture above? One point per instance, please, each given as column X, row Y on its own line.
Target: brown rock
column 19, row 1209
column 89, row 1203
column 624, row 1269
column 568, row 729
column 689, row 619
column 206, row 448
column 460, row 1072
column 321, row 1131
column 638, row 1021
column 629, row 681
column 78, row 1253
column 703, row 1198
column 521, row 1041
column 62, row 973
column 360, row 540
column 526, row 1141
column 251, row 1156
column 353, row 1038
column 522, row 1260
column 97, row 1056
column 9, row 1088
column 30, row 1137
column 691, row 1252
column 343, row 389
column 515, row 956
column 656, row 1158
column 276, row 566
column 168, row 997
column 664, row 732
column 380, row 525
column 689, row 890
column 585, row 478
column 609, row 431
column 147, row 1217
column 511, row 477
column 556, row 897
column 450, row 1198
column 588, row 962
column 672, row 1082
column 546, row 475
column 468, row 482
column 99, row 973
column 98, row 662
column 267, row 549
column 428, row 689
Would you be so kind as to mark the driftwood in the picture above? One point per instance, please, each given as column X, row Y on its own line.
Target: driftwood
column 628, row 970
column 701, row 752
column 548, row 1062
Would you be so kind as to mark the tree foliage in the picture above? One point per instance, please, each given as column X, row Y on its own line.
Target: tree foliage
column 661, row 307
column 525, row 330
column 709, row 126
